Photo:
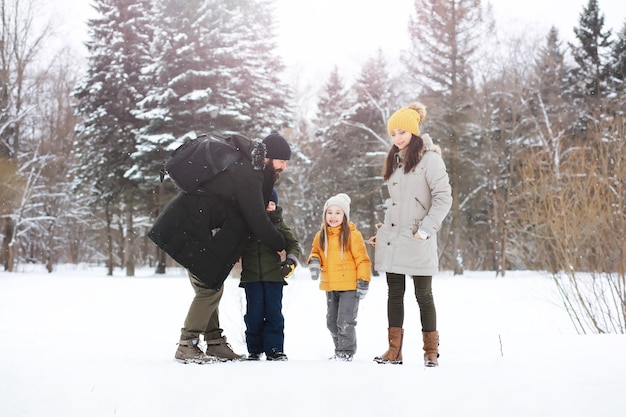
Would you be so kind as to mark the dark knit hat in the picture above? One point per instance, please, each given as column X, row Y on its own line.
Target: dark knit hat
column 277, row 147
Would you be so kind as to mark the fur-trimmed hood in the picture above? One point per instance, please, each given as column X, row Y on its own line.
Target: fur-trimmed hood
column 429, row 146
column 253, row 149
column 257, row 154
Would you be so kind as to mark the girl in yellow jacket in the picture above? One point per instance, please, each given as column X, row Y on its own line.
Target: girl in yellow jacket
column 340, row 255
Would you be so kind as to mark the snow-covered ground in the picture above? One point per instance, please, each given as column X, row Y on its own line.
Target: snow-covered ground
column 79, row 343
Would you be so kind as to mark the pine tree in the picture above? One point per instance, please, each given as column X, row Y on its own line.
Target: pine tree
column 351, row 142
column 117, row 47
column 184, row 73
column 617, row 67
column 548, row 100
column 589, row 78
column 533, row 117
column 256, row 69
column 213, row 68
column 332, row 102
column 374, row 102
column 445, row 35
column 180, row 76
column 374, row 90
column 550, row 69
column 330, row 132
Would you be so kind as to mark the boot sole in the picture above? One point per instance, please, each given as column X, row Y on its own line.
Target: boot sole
column 386, row 361
column 227, row 358
column 198, row 361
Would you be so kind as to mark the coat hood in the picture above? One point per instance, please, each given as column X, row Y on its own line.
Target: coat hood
column 429, row 146
column 253, row 149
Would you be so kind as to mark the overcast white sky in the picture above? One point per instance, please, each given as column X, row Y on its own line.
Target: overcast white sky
column 352, row 30
column 355, row 29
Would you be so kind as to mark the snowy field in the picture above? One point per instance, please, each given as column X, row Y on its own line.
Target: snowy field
column 79, row 343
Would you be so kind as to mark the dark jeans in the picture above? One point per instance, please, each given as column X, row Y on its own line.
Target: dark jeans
column 264, row 319
column 342, row 308
column 396, row 284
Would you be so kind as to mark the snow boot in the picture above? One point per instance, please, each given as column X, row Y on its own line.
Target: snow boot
column 394, row 353
column 188, row 351
column 341, row 357
column 431, row 348
column 253, row 357
column 276, row 356
column 221, row 349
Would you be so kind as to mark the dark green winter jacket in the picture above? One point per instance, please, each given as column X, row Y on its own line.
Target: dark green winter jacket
column 207, row 232
column 259, row 262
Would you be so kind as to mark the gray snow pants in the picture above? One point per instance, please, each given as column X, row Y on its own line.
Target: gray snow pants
column 341, row 312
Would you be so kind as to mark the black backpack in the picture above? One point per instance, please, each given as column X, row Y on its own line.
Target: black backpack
column 199, row 160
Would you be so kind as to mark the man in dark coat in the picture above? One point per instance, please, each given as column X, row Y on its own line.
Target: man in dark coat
column 207, row 231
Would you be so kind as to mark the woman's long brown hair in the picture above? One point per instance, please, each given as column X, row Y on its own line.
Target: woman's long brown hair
column 412, row 157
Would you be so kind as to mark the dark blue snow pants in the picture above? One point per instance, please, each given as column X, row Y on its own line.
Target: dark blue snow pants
column 264, row 319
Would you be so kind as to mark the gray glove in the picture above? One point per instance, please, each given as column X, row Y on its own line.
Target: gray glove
column 314, row 267
column 361, row 288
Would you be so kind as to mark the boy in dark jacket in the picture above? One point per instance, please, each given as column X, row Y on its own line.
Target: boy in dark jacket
column 263, row 277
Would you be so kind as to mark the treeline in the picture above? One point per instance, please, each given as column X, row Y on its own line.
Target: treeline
column 531, row 127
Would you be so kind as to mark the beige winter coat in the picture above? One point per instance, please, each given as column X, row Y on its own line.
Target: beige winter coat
column 420, row 199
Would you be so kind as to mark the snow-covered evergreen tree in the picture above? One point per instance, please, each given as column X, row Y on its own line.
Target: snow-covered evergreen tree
column 333, row 100
column 213, row 68
column 256, row 69
column 374, row 102
column 550, row 69
column 589, row 77
column 548, row 100
column 314, row 170
column 374, row 94
column 618, row 72
column 542, row 118
column 351, row 142
column 489, row 163
column 106, row 98
column 180, row 76
column 445, row 37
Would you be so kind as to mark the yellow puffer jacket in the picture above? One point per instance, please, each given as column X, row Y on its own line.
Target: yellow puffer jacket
column 341, row 274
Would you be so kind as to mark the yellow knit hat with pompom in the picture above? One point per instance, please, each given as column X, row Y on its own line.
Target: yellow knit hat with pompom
column 408, row 118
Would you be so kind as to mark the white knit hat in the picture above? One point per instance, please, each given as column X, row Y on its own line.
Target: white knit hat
column 340, row 200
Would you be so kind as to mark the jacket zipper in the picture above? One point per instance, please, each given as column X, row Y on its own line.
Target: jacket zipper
column 258, row 254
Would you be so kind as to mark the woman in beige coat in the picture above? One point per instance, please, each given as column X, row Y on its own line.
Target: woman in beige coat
column 406, row 243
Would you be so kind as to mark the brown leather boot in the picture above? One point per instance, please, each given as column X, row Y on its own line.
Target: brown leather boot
column 188, row 351
column 394, row 353
column 222, row 350
column 431, row 348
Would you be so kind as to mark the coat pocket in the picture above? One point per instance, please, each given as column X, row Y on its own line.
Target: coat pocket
column 415, row 253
